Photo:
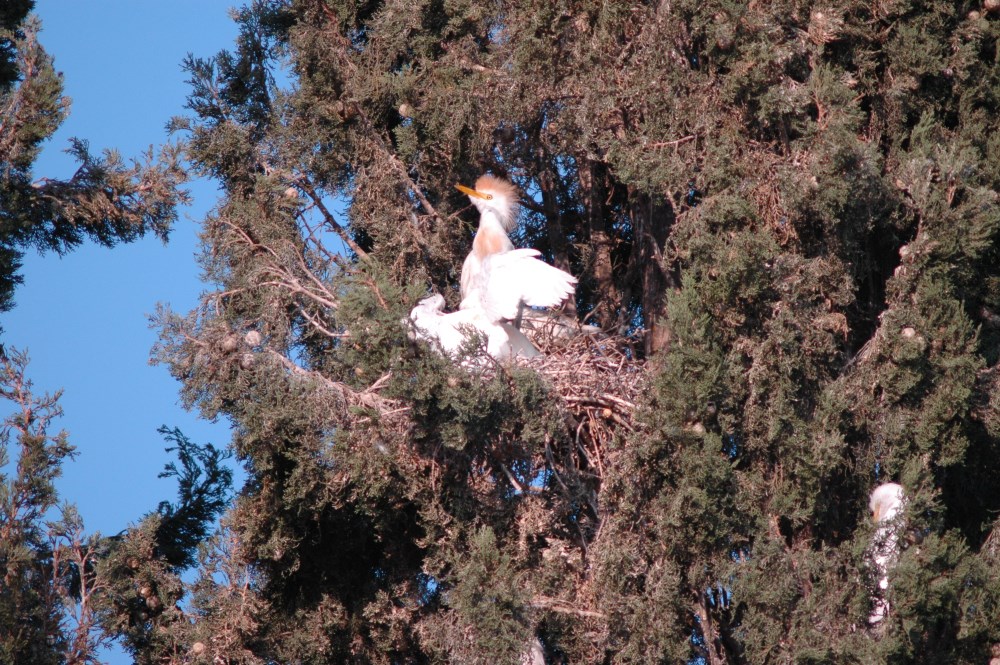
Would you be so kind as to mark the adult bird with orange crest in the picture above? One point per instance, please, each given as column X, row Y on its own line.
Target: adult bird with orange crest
column 496, row 200
column 496, row 277
column 497, row 282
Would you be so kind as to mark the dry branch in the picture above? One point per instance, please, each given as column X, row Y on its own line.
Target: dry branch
column 368, row 398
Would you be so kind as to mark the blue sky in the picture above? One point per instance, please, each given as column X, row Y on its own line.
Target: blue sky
column 84, row 317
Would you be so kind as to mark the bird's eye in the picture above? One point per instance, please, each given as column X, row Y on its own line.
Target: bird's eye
column 489, row 197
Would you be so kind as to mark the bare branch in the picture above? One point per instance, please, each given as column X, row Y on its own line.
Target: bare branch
column 563, row 607
column 331, row 220
column 367, row 398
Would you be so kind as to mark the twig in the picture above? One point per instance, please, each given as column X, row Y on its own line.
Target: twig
column 563, row 607
column 331, row 220
column 368, row 398
column 512, row 479
column 664, row 144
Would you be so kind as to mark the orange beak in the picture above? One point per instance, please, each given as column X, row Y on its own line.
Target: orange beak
column 875, row 514
column 471, row 192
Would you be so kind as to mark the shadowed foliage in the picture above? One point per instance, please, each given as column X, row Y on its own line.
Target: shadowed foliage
column 784, row 218
column 791, row 208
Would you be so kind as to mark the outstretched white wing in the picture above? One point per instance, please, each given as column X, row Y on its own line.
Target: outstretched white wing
column 516, row 277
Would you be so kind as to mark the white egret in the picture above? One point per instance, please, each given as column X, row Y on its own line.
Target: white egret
column 497, row 281
column 496, row 277
column 496, row 200
column 450, row 331
column 886, row 504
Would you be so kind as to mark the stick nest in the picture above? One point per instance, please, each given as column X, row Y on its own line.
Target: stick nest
column 599, row 379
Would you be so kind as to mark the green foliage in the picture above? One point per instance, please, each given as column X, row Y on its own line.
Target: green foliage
column 106, row 200
column 57, row 583
column 12, row 14
column 487, row 602
column 795, row 202
column 30, row 605
column 139, row 570
column 200, row 500
column 66, row 594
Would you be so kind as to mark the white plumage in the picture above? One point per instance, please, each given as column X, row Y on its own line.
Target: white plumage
column 496, row 201
column 517, row 277
column 535, row 655
column 450, row 331
column 496, row 277
column 886, row 504
column 497, row 281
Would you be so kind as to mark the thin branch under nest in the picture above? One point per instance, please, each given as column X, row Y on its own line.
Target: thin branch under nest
column 370, row 398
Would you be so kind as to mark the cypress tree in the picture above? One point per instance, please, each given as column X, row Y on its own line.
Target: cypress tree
column 63, row 591
column 784, row 217
column 31, row 621
column 66, row 594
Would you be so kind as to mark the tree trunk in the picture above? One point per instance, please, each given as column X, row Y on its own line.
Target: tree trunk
column 593, row 186
column 651, row 223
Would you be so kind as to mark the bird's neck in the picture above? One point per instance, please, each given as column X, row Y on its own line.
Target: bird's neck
column 491, row 237
column 505, row 216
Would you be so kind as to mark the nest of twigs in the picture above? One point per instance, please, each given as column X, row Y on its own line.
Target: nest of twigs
column 600, row 380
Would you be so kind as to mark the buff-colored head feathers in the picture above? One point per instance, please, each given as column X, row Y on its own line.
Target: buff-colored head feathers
column 497, row 196
column 496, row 186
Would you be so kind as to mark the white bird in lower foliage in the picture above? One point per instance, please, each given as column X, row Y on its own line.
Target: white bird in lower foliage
column 450, row 331
column 885, row 504
column 535, row 655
